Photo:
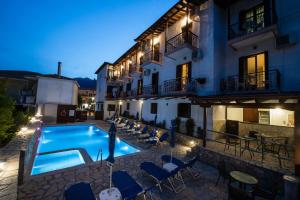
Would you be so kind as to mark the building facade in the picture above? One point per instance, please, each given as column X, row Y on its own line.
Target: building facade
column 214, row 61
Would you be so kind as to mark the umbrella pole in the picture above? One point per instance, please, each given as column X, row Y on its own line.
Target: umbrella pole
column 110, row 177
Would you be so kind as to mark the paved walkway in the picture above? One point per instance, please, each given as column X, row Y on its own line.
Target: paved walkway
column 9, row 163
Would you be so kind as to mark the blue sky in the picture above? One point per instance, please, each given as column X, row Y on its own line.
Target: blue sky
column 36, row 34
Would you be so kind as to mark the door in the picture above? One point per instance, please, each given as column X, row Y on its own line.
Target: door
column 253, row 71
column 120, row 110
column 156, row 50
column 140, row 87
column 186, row 36
column 183, row 76
column 155, row 77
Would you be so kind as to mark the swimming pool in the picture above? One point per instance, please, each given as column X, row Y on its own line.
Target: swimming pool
column 58, row 138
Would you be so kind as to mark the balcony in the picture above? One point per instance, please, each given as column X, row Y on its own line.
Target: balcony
column 250, row 30
column 265, row 81
column 151, row 90
column 179, row 86
column 134, row 68
column 151, row 57
column 184, row 39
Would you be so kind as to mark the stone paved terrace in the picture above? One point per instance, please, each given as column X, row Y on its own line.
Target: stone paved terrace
column 9, row 159
column 52, row 186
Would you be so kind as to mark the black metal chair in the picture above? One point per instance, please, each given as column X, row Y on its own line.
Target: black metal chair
column 235, row 193
column 222, row 172
column 231, row 141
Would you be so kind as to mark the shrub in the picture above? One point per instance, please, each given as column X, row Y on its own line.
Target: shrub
column 190, row 125
column 177, row 124
column 6, row 118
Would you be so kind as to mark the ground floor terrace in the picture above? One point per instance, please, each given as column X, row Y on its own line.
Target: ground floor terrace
column 268, row 172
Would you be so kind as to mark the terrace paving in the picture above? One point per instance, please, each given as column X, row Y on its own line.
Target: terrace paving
column 9, row 157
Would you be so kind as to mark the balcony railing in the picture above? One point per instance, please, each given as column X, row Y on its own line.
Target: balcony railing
column 249, row 25
column 179, row 86
column 180, row 40
column 134, row 68
column 150, row 57
column 151, row 90
column 260, row 81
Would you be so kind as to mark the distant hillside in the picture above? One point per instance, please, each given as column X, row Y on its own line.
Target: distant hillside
column 86, row 83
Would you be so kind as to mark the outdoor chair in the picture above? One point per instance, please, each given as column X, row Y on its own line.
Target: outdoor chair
column 231, row 141
column 222, row 173
column 128, row 187
column 188, row 165
column 162, row 176
column 265, row 193
column 123, row 124
column 79, row 191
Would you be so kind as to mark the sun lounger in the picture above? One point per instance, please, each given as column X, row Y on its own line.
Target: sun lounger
column 79, row 191
column 182, row 165
column 128, row 187
column 159, row 140
column 161, row 176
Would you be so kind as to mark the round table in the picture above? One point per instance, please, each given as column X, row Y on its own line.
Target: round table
column 243, row 178
column 170, row 167
column 110, row 194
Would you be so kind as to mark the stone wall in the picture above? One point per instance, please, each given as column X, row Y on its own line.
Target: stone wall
column 244, row 129
column 266, row 176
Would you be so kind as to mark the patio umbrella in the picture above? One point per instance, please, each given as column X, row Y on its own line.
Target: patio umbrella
column 172, row 140
column 112, row 140
column 137, row 116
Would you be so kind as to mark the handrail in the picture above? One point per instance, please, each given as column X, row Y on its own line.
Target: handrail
column 181, row 39
column 263, row 80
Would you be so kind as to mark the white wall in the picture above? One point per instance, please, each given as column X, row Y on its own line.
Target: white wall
column 56, row 91
column 235, row 114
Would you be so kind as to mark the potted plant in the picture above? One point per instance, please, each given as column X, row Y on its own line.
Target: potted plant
column 190, row 125
column 177, row 123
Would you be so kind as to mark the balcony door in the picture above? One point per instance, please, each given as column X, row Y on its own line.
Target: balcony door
column 253, row 70
column 155, row 79
column 253, row 19
column 156, row 50
column 140, row 87
column 183, row 76
column 185, row 33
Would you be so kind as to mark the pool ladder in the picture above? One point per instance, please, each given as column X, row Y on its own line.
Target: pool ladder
column 100, row 153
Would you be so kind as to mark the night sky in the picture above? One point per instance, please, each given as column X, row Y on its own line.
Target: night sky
column 36, row 34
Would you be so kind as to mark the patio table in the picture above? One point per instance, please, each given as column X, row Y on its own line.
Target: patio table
column 110, row 194
column 170, row 167
column 243, row 178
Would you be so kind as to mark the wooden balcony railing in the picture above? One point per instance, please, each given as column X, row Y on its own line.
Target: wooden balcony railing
column 180, row 40
column 260, row 81
column 134, row 67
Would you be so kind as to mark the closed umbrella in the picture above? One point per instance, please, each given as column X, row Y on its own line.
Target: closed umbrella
column 155, row 119
column 112, row 140
column 172, row 140
column 137, row 116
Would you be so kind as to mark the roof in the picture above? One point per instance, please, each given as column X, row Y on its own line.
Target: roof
column 127, row 53
column 102, row 66
column 175, row 13
column 17, row 74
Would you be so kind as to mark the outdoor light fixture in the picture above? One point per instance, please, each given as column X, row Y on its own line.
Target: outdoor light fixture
column 192, row 142
column 23, row 129
column 2, row 165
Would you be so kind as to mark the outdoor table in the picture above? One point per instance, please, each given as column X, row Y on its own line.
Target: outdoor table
column 247, row 141
column 243, row 178
column 170, row 167
column 110, row 194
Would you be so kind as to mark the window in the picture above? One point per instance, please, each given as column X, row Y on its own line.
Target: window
column 128, row 106
column 111, row 107
column 252, row 19
column 184, row 110
column 153, row 108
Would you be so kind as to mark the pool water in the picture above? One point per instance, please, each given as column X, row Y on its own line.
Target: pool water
column 88, row 137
